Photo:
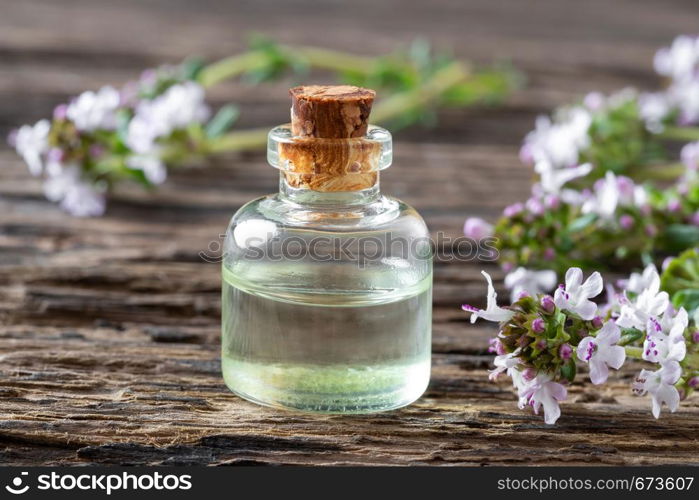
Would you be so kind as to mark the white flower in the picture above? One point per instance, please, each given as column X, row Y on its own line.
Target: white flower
column 612, row 192
column 543, row 391
column 558, row 144
column 141, row 135
column 648, row 303
column 492, row 312
column 180, row 106
column 654, row 109
column 505, row 362
column 664, row 341
column 680, row 60
column 476, row 228
column 575, row 295
column 532, row 282
column 31, row 142
column 552, row 179
column 151, row 165
column 685, row 95
column 83, row 200
column 601, row 352
column 638, row 282
column 63, row 184
column 94, row 110
column 690, row 155
column 661, row 386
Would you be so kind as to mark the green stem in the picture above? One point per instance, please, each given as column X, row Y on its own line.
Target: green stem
column 440, row 82
column 656, row 172
column 231, row 67
column 680, row 133
column 634, row 352
column 334, row 60
column 385, row 110
column 243, row 140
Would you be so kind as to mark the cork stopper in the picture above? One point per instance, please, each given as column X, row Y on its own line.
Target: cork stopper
column 328, row 151
column 330, row 111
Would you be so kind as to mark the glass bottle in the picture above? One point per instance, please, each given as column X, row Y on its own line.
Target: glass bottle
column 327, row 285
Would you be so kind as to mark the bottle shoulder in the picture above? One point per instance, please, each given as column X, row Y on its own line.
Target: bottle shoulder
column 386, row 213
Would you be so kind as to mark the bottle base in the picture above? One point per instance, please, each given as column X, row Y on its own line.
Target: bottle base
column 328, row 389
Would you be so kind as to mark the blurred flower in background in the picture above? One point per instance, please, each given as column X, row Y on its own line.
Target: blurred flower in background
column 99, row 139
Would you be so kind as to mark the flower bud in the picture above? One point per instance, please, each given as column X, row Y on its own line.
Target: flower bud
column 626, row 222
column 597, row 322
column 512, row 210
column 60, row 112
column 547, row 304
column 552, row 201
column 695, row 337
column 565, row 352
column 693, row 382
column 538, row 325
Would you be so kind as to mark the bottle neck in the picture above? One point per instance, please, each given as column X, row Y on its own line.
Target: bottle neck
column 328, row 199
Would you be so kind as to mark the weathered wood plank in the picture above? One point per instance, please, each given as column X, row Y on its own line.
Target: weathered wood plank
column 109, row 327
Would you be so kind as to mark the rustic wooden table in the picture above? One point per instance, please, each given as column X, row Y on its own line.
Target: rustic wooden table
column 109, row 327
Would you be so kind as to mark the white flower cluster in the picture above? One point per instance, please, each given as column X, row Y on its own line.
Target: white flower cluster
column 679, row 63
column 92, row 111
column 642, row 306
column 554, row 148
column 63, row 183
column 612, row 192
column 180, row 106
column 649, row 310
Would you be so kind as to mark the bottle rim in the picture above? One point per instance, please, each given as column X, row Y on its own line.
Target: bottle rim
column 376, row 138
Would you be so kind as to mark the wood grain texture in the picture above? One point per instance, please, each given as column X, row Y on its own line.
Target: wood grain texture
column 109, row 327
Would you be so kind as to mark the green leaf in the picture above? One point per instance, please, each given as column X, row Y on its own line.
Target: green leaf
column 681, row 273
column 223, row 120
column 581, row 223
column 568, row 370
column 688, row 298
column 191, row 68
column 629, row 335
column 679, row 237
